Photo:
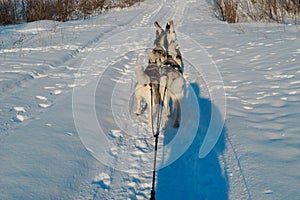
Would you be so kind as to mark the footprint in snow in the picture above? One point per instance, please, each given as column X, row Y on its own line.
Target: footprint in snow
column 19, row 118
column 49, row 88
column 71, row 85
column 102, row 179
column 19, row 109
column 41, row 98
column 19, row 115
column 69, row 133
column 116, row 133
column 43, row 105
column 59, row 85
column 267, row 192
column 56, row 92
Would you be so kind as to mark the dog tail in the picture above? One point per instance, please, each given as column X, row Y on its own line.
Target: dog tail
column 141, row 77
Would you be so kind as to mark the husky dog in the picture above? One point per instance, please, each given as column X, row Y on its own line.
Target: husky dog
column 171, row 87
column 160, row 43
column 147, row 87
column 171, row 80
column 166, row 42
column 162, row 79
column 173, row 47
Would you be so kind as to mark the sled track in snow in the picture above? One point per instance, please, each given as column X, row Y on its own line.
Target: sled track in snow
column 162, row 14
column 240, row 168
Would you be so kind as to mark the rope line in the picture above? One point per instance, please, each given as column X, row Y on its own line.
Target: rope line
column 156, row 136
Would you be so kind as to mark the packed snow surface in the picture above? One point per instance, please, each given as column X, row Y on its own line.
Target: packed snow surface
column 67, row 123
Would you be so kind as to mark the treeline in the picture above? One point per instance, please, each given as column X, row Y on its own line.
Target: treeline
column 234, row 11
column 20, row 11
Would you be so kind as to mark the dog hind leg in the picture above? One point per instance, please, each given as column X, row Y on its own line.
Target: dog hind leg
column 177, row 100
column 166, row 100
column 164, row 94
column 177, row 111
column 138, row 104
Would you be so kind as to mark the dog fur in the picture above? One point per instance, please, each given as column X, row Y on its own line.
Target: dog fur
column 171, row 87
column 162, row 78
column 171, row 80
column 147, row 88
column 160, row 41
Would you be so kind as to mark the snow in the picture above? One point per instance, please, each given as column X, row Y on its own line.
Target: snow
column 103, row 178
column 67, row 123
column 19, row 109
column 19, row 118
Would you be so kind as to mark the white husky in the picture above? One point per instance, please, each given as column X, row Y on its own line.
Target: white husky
column 147, row 87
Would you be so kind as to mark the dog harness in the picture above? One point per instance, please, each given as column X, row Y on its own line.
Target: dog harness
column 152, row 71
column 173, row 64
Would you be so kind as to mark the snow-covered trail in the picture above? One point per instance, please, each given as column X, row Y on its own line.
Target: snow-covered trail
column 53, row 74
column 40, row 150
column 130, row 148
column 51, row 50
column 259, row 64
column 41, row 154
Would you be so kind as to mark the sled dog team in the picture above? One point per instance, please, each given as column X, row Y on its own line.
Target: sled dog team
column 162, row 79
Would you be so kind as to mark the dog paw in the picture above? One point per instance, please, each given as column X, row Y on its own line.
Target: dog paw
column 138, row 111
column 176, row 125
column 168, row 113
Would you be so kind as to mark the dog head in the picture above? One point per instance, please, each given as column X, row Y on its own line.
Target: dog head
column 173, row 47
column 170, row 32
column 160, row 41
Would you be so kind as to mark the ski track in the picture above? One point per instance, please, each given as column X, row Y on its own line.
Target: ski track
column 34, row 86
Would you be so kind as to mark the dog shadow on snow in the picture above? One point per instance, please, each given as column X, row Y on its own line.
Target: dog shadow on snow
column 190, row 177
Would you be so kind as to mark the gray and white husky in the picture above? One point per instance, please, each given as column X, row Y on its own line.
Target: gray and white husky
column 162, row 78
column 147, row 87
column 171, row 79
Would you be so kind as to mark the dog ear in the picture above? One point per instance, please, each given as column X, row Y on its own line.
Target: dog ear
column 171, row 24
column 152, row 57
column 158, row 28
column 168, row 26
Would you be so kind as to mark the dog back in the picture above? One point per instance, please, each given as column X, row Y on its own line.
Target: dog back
column 152, row 71
column 171, row 65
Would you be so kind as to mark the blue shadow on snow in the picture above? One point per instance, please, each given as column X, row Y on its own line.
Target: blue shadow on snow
column 192, row 178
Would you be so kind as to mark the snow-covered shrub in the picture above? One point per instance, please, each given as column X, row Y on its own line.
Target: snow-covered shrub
column 234, row 11
column 226, row 10
column 8, row 12
column 18, row 11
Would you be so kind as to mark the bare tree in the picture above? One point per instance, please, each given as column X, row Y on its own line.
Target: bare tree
column 8, row 13
column 61, row 10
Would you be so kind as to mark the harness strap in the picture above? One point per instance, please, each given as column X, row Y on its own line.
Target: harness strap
column 174, row 65
column 178, row 69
